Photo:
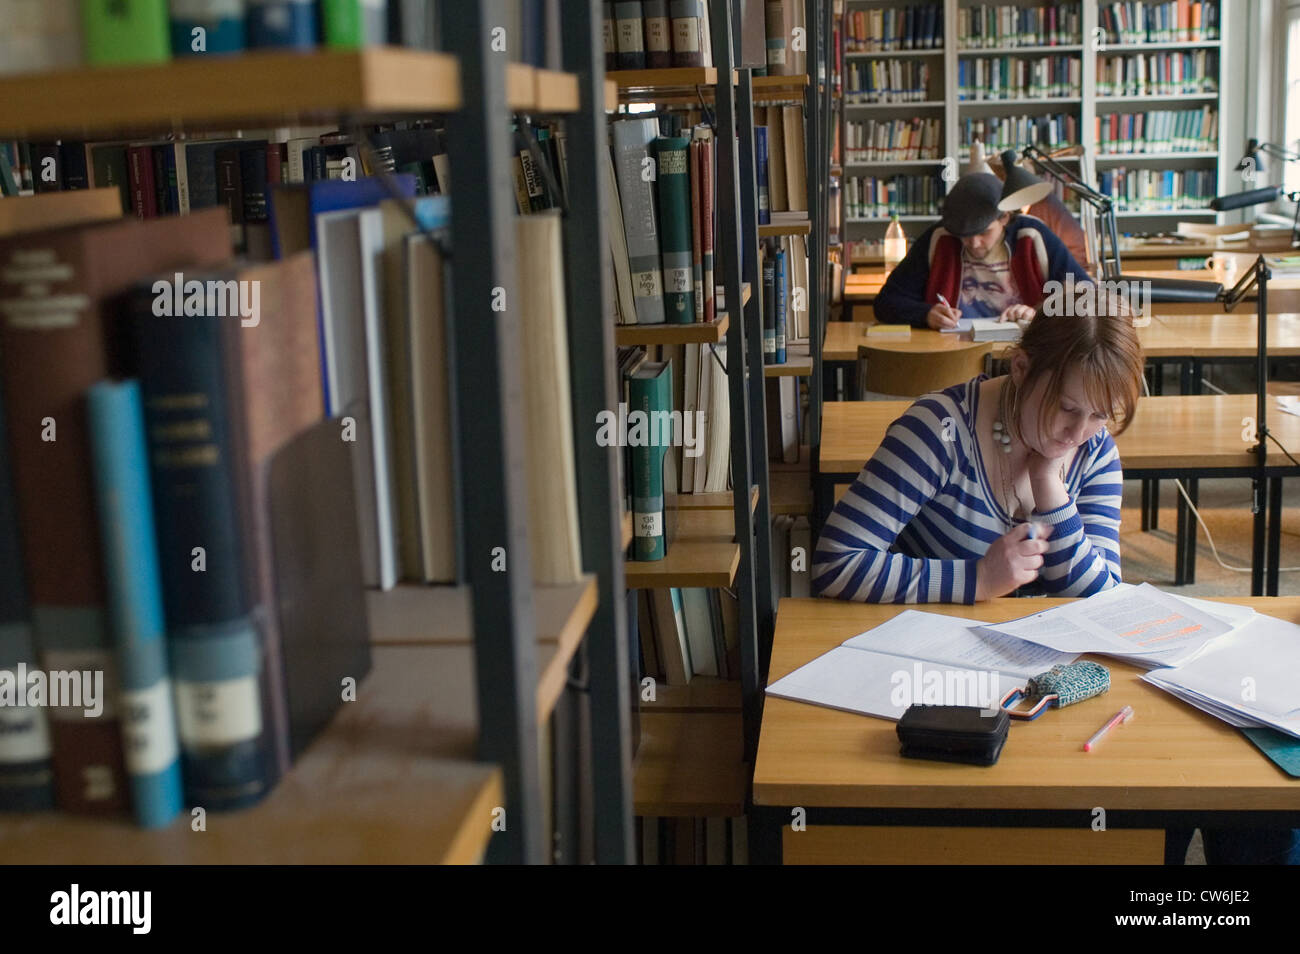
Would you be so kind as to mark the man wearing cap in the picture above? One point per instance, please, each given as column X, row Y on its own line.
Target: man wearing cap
column 985, row 263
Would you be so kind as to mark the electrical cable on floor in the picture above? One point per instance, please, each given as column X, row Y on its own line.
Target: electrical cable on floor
column 1197, row 514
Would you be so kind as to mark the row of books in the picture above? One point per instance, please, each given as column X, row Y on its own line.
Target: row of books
column 175, row 177
column 1008, row 25
column 1158, row 131
column 888, row 81
column 1013, row 132
column 892, row 140
column 1186, row 21
column 777, row 282
column 782, row 171
column 1006, row 77
column 166, row 542
column 1157, row 190
column 875, row 197
column 835, row 215
column 42, row 35
column 657, row 34
column 912, row 27
column 1158, row 74
column 688, row 632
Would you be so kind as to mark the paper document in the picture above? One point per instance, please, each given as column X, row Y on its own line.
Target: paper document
column 916, row 657
column 1249, row 674
column 1122, row 621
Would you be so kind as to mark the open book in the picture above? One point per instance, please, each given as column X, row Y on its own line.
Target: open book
column 917, row 657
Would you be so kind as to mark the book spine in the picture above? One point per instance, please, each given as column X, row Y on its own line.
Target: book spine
column 610, row 35
column 769, row 308
column 632, row 138
column 72, row 164
column 47, row 172
column 686, row 16
column 162, row 191
column 125, row 31
column 110, row 167
column 143, row 198
column 760, row 162
column 199, row 27
column 781, row 281
column 674, row 187
column 631, row 34
column 213, row 642
column 349, row 24
column 697, row 248
column 230, row 191
column 707, row 230
column 117, row 442
column 288, row 24
column 26, row 776
column 649, row 395
column 658, row 34
column 777, row 41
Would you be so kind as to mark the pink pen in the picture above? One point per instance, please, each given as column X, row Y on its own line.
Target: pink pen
column 1124, row 715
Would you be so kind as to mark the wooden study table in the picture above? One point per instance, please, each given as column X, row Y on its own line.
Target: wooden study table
column 1178, row 437
column 1171, row 766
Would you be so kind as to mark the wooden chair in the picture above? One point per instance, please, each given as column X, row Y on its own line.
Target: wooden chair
column 913, row 373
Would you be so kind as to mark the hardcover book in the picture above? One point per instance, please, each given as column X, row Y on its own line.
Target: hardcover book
column 126, row 31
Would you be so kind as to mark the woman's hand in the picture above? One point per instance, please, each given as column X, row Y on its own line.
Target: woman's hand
column 1045, row 480
column 1013, row 560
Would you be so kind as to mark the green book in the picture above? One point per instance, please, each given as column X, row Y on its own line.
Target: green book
column 673, row 175
column 649, row 434
column 350, row 24
column 125, row 31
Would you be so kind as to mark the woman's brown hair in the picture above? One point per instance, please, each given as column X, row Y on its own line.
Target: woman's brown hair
column 1103, row 346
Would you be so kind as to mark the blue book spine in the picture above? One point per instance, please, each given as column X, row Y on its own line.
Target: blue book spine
column 200, row 27
column 26, row 773
column 760, row 162
column 769, row 308
column 212, row 639
column 135, row 609
column 283, row 23
column 781, row 273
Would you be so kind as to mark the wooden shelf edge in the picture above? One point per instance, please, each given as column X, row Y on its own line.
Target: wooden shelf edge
column 471, row 840
column 721, row 501
column 553, row 669
column 257, row 88
column 699, row 332
column 798, row 228
column 701, row 694
column 674, row 78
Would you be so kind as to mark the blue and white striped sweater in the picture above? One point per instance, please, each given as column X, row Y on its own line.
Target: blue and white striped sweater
column 912, row 526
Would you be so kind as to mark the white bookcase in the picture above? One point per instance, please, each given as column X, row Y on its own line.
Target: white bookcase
column 1084, row 103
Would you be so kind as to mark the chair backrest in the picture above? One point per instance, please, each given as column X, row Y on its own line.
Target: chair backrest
column 913, row 373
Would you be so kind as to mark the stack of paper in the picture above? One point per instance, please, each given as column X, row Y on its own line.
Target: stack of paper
column 1247, row 679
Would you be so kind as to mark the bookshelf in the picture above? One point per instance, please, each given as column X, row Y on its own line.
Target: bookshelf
column 1082, row 107
column 257, row 89
column 447, row 725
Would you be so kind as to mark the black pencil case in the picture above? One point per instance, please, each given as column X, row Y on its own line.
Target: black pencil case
column 966, row 734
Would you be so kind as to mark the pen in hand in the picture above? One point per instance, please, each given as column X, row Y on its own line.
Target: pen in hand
column 955, row 314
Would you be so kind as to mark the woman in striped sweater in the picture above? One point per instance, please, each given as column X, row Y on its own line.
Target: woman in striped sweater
column 998, row 483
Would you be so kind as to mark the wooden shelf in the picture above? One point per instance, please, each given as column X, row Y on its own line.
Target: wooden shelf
column 414, row 615
column 689, row 765
column 701, row 694
column 632, row 81
column 798, row 364
column 391, row 781
column 704, row 554
column 1026, row 101
column 1151, row 97
column 696, row 332
column 254, row 89
column 611, row 96
column 1152, row 156
column 1016, row 50
column 724, row 501
column 917, row 104
column 876, row 163
column 798, row 228
column 699, row 332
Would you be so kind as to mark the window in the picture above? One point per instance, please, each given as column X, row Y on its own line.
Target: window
column 1291, row 97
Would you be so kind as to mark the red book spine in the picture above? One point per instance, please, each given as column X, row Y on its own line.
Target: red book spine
column 143, row 198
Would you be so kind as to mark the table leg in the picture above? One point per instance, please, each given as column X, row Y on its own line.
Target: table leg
column 1146, row 505
column 1180, row 549
column 1274, row 533
column 1189, row 562
column 1260, row 507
